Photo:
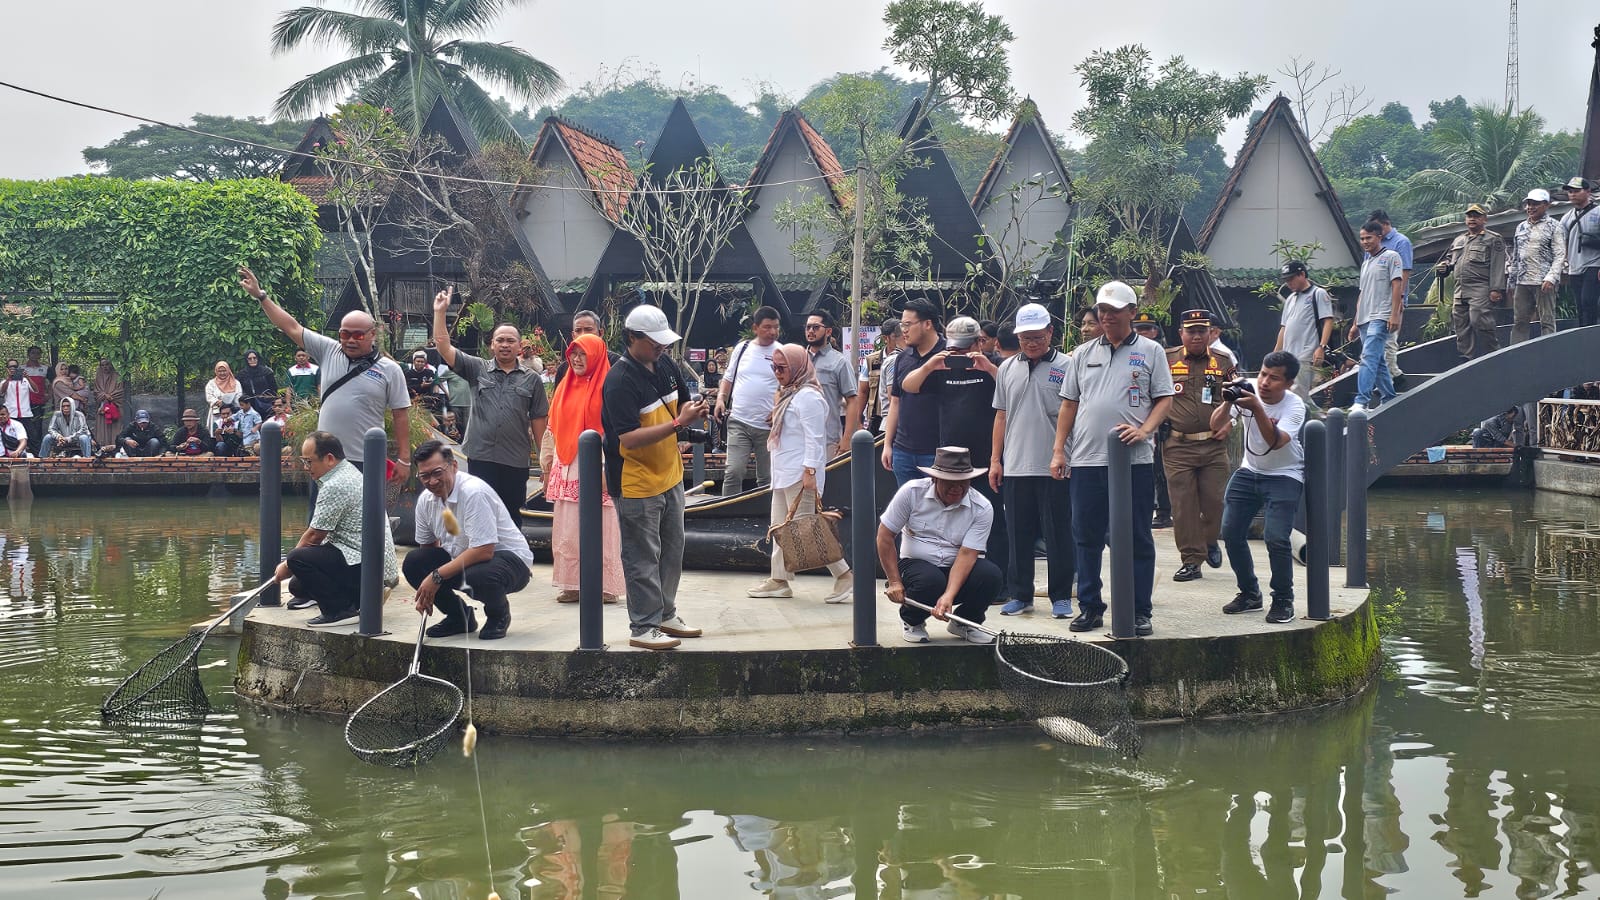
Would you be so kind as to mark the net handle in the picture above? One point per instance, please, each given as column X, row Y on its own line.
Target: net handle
column 950, row 616
column 240, row 602
column 416, row 653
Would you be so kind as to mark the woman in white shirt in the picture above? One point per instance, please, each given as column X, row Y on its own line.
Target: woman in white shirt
column 799, row 450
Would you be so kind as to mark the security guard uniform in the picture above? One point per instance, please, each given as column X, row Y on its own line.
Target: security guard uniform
column 1196, row 459
column 1478, row 262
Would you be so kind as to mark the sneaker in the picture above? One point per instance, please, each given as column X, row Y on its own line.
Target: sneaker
column 453, row 625
column 494, row 628
column 1282, row 612
column 970, row 635
column 653, row 640
column 844, row 588
column 1142, row 626
column 1086, row 621
column 346, row 616
column 1358, row 408
column 772, row 587
column 1243, row 602
column 913, row 634
column 301, row 603
column 1061, row 609
column 567, row 597
column 1187, row 572
column 677, row 627
column 1016, row 608
column 1161, row 522
column 1214, row 556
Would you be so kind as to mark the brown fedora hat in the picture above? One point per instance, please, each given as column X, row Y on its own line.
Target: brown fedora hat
column 952, row 464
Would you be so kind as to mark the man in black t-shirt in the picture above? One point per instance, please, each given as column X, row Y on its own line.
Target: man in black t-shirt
column 911, row 430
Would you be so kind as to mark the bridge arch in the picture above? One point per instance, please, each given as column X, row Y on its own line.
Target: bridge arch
column 1474, row 391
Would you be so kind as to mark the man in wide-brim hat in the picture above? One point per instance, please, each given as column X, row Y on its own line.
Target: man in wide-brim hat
column 944, row 528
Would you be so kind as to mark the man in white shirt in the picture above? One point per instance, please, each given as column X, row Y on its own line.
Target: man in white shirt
column 13, row 437
column 744, row 403
column 943, row 528
column 1306, row 325
column 1270, row 480
column 485, row 549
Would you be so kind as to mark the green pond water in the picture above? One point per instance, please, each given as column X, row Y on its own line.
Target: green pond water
column 1472, row 770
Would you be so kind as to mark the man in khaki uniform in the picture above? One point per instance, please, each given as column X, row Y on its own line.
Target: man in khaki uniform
column 1195, row 456
column 1477, row 259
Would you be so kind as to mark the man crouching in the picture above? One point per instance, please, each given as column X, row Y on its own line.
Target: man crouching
column 943, row 527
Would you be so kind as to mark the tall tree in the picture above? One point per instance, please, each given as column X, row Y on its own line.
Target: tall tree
column 156, row 151
column 405, row 54
column 1492, row 157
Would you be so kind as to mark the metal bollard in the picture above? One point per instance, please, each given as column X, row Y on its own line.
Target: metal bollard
column 1355, row 486
column 374, row 453
column 1315, row 437
column 271, row 508
column 698, row 467
column 591, row 543
column 1119, row 488
column 864, row 538
column 1335, row 505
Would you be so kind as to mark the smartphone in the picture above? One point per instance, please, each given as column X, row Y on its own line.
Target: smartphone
column 958, row 362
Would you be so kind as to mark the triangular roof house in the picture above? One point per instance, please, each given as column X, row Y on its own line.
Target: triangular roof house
column 680, row 146
column 569, row 217
column 796, row 166
column 1277, row 190
column 953, row 242
column 1025, row 198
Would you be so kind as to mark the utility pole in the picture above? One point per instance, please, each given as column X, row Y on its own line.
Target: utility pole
column 857, row 262
column 1591, row 128
column 1513, row 76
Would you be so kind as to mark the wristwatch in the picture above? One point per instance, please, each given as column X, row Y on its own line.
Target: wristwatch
column 438, row 581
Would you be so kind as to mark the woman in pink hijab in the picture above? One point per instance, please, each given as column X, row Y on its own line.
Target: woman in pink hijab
column 798, row 443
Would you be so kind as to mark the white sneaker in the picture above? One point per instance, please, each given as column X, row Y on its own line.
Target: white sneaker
column 914, row 634
column 843, row 588
column 653, row 640
column 772, row 587
column 970, row 635
column 1358, row 407
column 677, row 627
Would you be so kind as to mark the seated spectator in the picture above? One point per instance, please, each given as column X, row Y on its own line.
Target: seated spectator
column 422, row 380
column 450, row 428
column 280, row 415
column 13, row 437
column 141, row 438
column 943, row 527
column 190, row 439
column 68, row 430
column 1500, row 431
column 226, row 438
column 249, row 422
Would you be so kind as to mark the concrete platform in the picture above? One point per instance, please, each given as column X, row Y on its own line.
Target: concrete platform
column 786, row 665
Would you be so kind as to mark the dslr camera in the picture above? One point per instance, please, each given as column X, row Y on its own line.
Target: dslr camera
column 1233, row 391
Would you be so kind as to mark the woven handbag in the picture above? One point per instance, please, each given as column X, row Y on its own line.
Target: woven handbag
column 809, row 542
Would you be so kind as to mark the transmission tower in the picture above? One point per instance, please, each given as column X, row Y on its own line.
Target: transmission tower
column 1513, row 78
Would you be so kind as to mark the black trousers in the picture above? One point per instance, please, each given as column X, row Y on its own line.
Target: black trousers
column 1041, row 506
column 1163, row 499
column 925, row 583
column 998, row 549
column 491, row 581
column 321, row 574
column 510, row 484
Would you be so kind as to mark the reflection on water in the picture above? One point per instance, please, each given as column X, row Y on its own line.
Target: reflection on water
column 1468, row 773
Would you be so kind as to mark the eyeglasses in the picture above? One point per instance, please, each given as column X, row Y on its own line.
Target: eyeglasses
column 1033, row 338
column 432, row 474
column 779, row 367
column 346, row 334
column 815, row 326
column 306, row 461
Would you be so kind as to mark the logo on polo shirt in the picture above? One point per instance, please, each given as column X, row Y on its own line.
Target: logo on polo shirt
column 1056, row 374
column 373, row 373
column 1136, row 359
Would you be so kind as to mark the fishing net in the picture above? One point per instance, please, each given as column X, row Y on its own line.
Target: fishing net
column 1075, row 690
column 405, row 724
column 167, row 688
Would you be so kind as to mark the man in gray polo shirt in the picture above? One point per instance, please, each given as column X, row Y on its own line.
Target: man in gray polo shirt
column 509, row 409
column 1119, row 380
column 1027, row 397
column 350, row 406
column 837, row 379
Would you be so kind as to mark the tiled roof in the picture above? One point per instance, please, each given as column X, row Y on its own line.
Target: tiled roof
column 315, row 187
column 603, row 165
column 821, row 153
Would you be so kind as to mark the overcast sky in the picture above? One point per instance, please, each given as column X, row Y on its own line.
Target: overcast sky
column 168, row 59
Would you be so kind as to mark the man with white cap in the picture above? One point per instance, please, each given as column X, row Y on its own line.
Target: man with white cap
column 943, row 528
column 646, row 402
column 1027, row 402
column 1534, row 268
column 1120, row 380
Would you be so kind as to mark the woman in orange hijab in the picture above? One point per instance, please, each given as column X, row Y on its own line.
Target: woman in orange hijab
column 574, row 409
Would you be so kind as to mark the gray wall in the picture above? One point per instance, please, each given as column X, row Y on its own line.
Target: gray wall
column 1021, row 227
column 568, row 235
column 793, row 162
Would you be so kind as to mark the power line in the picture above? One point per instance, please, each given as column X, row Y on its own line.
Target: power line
column 376, row 167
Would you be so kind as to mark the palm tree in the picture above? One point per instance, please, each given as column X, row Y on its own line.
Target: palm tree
column 1492, row 157
column 405, row 54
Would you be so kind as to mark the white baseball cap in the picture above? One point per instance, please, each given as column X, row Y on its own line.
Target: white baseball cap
column 652, row 323
column 1032, row 317
column 1116, row 293
column 1537, row 195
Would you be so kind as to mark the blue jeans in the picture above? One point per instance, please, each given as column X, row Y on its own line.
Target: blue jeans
column 51, row 443
column 1091, row 527
column 905, row 465
column 1374, row 372
column 1248, row 493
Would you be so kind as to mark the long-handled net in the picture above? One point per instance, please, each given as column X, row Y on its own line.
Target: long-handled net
column 407, row 722
column 167, row 688
column 1076, row 691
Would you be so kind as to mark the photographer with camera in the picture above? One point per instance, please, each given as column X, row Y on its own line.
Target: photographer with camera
column 1270, row 478
column 1194, row 454
column 226, row 435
